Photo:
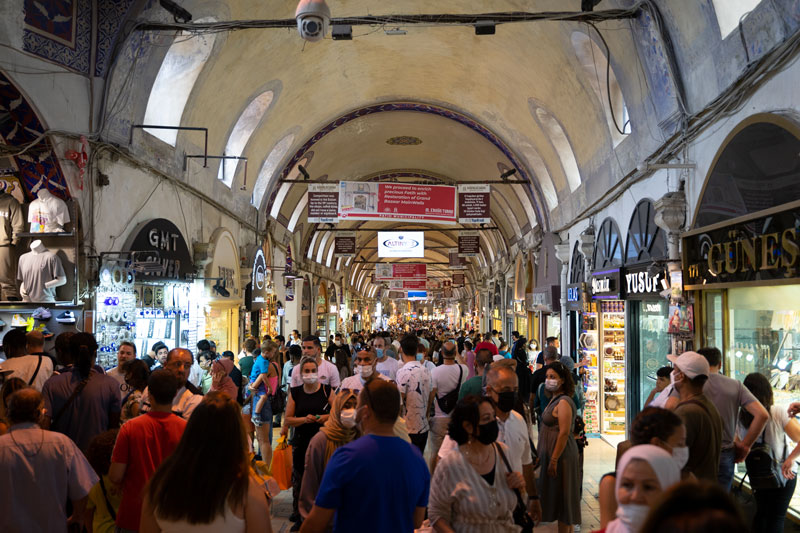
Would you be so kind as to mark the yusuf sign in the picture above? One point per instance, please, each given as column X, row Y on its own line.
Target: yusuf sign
column 639, row 283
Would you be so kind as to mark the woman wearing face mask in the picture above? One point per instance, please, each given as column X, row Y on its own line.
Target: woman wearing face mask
column 653, row 425
column 306, row 411
column 472, row 490
column 337, row 431
column 645, row 473
column 559, row 483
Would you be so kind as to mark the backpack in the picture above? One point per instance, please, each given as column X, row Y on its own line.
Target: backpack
column 762, row 469
column 448, row 402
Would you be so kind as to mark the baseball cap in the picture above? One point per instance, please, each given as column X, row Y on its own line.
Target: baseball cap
column 690, row 363
column 487, row 345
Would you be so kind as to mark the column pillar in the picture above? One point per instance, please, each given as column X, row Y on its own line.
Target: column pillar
column 563, row 255
column 671, row 216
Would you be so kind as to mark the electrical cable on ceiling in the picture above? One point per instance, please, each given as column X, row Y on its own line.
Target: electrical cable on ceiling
column 608, row 80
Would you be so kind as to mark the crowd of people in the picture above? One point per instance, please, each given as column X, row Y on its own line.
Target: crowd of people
column 171, row 441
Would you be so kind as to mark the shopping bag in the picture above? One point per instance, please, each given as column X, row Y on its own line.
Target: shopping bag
column 282, row 464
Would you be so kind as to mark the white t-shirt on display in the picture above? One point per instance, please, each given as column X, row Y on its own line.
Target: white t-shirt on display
column 47, row 214
column 445, row 379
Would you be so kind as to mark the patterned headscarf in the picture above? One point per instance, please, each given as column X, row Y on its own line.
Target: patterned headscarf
column 225, row 384
column 337, row 434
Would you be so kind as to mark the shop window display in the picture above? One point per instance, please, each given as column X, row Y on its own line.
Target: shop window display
column 613, row 357
column 654, row 344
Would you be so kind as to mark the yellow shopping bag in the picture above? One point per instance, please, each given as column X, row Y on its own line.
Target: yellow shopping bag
column 281, row 469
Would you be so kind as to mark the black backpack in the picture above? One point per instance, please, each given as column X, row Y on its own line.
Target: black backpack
column 762, row 469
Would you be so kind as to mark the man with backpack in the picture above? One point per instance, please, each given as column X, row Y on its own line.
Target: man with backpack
column 447, row 381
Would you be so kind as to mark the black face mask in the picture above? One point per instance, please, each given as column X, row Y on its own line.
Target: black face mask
column 487, row 433
column 506, row 400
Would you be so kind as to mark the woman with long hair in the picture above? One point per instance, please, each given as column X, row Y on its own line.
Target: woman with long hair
column 95, row 406
column 339, row 429
column 342, row 363
column 559, row 483
column 213, row 457
column 136, row 374
column 771, row 504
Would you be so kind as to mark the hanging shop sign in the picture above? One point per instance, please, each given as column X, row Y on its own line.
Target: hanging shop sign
column 458, row 280
column 606, row 285
column 344, row 244
column 360, row 200
column 222, row 273
column 456, row 261
column 390, row 271
column 323, row 203
column 162, row 242
column 576, row 296
column 546, row 299
column 413, row 285
column 403, row 244
column 469, row 244
column 762, row 248
column 640, row 284
column 473, row 204
column 256, row 292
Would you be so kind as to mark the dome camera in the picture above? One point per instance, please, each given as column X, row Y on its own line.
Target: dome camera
column 313, row 18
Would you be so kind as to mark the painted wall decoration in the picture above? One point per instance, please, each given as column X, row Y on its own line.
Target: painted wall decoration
column 654, row 59
column 20, row 125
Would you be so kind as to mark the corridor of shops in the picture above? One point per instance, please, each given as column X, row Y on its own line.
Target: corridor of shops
column 452, row 266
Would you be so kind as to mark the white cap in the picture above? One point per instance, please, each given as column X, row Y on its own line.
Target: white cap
column 691, row 363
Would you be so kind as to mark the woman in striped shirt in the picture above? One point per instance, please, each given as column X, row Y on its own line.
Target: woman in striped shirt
column 472, row 490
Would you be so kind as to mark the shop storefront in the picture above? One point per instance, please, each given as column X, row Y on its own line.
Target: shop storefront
column 222, row 293
column 322, row 306
column 497, row 308
column 158, row 283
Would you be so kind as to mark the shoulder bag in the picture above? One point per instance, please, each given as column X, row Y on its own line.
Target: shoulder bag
column 521, row 516
column 278, row 399
column 35, row 372
column 448, row 402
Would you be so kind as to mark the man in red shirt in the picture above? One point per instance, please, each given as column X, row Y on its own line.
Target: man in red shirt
column 142, row 444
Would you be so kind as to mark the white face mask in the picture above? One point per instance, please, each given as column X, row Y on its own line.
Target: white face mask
column 681, row 455
column 633, row 515
column 348, row 418
column 364, row 371
column 310, row 378
column 551, row 385
column 337, row 343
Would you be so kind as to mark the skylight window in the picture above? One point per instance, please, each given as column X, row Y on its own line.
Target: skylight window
column 730, row 12
column 269, row 167
column 244, row 128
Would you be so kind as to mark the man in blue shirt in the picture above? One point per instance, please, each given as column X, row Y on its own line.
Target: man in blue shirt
column 378, row 482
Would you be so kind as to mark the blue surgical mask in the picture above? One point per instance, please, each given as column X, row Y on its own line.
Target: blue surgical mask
column 379, row 352
column 419, row 357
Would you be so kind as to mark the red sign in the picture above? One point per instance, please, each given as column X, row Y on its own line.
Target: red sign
column 396, row 201
column 389, row 271
column 416, row 285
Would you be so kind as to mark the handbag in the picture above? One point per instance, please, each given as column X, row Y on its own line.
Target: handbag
column 448, row 402
column 762, row 469
column 278, row 400
column 281, row 467
column 521, row 516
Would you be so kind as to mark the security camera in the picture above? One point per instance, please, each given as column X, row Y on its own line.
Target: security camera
column 313, row 18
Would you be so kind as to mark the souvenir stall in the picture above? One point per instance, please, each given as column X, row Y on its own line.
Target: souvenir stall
column 160, row 264
column 39, row 287
column 222, row 292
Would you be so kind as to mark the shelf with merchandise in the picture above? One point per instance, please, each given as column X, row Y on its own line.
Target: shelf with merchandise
column 613, row 329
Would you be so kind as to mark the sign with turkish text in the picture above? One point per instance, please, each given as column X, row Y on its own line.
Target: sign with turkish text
column 359, row 200
column 323, row 202
column 390, row 271
column 606, row 285
column 456, row 261
column 344, row 244
column 469, row 244
column 639, row 283
column 473, row 203
column 762, row 248
column 458, row 280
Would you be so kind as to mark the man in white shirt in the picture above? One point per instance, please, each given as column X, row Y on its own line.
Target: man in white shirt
column 327, row 372
column 446, row 378
column 386, row 365
column 32, row 369
column 125, row 353
column 179, row 361
column 416, row 389
column 364, row 372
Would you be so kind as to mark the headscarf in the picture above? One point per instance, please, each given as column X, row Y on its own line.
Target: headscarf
column 337, row 434
column 662, row 463
column 226, row 384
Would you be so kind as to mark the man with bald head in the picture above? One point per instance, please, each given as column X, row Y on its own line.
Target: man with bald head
column 179, row 363
column 447, row 381
column 41, row 471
